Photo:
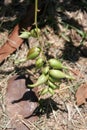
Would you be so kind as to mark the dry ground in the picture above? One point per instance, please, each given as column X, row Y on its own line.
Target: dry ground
column 61, row 39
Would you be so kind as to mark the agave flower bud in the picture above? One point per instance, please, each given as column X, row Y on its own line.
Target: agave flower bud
column 25, row 34
column 42, row 79
column 35, row 32
column 33, row 53
column 51, row 91
column 44, row 91
column 39, row 63
column 52, row 85
column 45, row 70
column 57, row 74
column 56, row 64
column 53, row 79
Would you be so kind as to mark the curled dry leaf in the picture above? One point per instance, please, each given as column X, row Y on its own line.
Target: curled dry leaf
column 21, row 101
column 81, row 94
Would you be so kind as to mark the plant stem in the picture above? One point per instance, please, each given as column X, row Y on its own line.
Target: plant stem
column 36, row 10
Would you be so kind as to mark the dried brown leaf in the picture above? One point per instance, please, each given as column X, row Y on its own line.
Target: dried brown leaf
column 20, row 101
column 81, row 94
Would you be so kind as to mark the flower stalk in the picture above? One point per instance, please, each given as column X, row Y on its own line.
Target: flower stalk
column 35, row 22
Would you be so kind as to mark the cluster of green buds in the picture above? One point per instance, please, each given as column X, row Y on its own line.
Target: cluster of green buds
column 33, row 33
column 51, row 72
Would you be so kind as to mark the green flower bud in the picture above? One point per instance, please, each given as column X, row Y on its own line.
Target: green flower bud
column 52, row 85
column 25, row 34
column 51, row 91
column 53, row 79
column 42, row 79
column 57, row 74
column 56, row 64
column 44, row 91
column 35, row 32
column 39, row 63
column 33, row 53
column 45, row 70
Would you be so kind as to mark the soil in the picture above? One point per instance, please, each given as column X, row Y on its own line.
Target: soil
column 63, row 27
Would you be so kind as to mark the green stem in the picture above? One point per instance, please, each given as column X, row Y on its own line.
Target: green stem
column 36, row 10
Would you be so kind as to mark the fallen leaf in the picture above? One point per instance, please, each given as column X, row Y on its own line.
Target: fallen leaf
column 20, row 101
column 81, row 94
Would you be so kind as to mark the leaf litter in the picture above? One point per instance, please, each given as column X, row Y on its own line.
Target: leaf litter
column 81, row 94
